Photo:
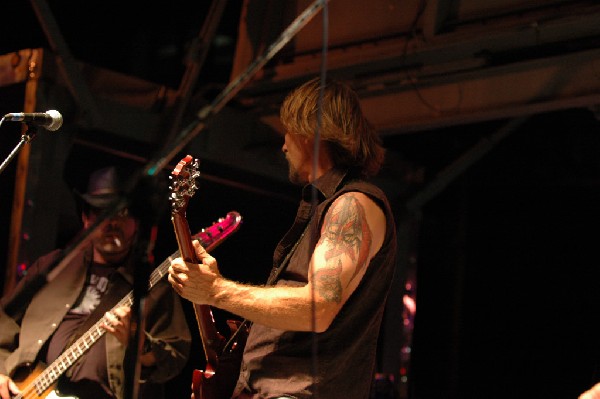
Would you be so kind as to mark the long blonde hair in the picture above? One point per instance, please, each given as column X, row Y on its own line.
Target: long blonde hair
column 351, row 139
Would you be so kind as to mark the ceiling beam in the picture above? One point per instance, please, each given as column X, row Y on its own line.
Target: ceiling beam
column 66, row 63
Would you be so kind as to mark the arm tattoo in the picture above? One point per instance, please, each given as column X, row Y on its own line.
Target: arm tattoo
column 347, row 233
column 328, row 282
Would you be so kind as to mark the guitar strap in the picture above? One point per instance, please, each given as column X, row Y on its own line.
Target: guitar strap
column 277, row 270
column 275, row 273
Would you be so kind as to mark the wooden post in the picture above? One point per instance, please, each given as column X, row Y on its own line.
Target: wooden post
column 15, row 234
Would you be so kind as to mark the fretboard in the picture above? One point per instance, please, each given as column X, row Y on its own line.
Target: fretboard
column 90, row 337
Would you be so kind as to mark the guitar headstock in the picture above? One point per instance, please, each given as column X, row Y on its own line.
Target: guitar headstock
column 183, row 186
column 211, row 237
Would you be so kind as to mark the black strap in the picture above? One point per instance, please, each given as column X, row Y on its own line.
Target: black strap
column 277, row 270
column 275, row 273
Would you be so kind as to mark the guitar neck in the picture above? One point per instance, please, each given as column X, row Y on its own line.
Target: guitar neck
column 212, row 340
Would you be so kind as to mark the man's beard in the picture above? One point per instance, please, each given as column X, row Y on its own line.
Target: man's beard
column 294, row 176
column 113, row 246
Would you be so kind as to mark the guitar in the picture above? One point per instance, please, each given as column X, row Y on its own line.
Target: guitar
column 40, row 383
column 207, row 383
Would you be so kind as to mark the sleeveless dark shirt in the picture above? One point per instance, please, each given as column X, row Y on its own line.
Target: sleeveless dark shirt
column 278, row 363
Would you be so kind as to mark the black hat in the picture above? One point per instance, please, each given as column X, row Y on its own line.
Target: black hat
column 104, row 187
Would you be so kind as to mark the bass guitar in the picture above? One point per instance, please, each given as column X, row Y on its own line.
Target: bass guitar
column 207, row 383
column 41, row 381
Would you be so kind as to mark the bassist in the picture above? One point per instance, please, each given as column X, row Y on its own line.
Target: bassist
column 91, row 283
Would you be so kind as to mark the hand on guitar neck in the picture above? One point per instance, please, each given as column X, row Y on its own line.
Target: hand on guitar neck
column 209, row 383
column 7, row 387
column 196, row 286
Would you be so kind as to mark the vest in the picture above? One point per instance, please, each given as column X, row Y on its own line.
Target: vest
column 279, row 363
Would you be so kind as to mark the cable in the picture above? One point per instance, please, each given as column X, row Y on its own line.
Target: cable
column 314, row 193
column 413, row 80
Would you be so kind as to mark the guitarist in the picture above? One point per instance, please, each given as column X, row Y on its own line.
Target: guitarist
column 333, row 276
column 90, row 285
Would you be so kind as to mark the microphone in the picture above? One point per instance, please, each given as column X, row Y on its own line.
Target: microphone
column 50, row 120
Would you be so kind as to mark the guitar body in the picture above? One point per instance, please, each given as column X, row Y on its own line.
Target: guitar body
column 220, row 383
column 24, row 378
column 222, row 358
column 204, row 385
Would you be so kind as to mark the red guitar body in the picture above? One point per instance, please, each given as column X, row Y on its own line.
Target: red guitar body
column 222, row 357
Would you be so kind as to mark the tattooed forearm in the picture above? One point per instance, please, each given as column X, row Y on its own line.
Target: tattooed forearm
column 346, row 233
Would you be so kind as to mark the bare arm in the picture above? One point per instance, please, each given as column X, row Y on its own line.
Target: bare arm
column 351, row 234
column 592, row 393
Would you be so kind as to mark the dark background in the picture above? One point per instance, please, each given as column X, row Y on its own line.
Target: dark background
column 507, row 254
column 507, row 299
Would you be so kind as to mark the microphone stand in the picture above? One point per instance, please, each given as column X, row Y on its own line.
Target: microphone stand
column 143, row 199
column 26, row 137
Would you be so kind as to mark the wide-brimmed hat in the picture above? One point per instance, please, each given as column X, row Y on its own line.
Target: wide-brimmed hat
column 104, row 188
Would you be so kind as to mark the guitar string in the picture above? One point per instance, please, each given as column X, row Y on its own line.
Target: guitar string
column 314, row 197
column 53, row 371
